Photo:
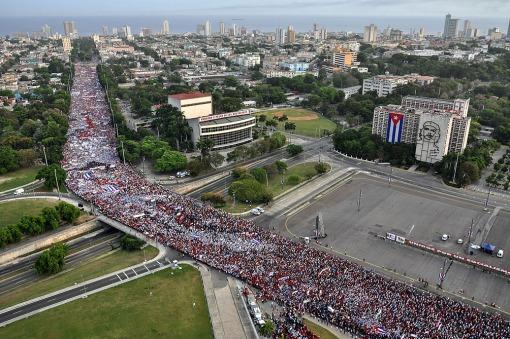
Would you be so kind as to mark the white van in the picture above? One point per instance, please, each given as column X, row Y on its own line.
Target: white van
column 19, row 191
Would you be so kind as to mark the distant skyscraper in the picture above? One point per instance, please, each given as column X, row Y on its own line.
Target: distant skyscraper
column 450, row 27
column 370, row 33
column 115, row 31
column 222, row 28
column 165, row 28
column 46, row 31
column 508, row 31
column 70, row 28
column 105, row 30
column 280, row 36
column 291, row 35
column 421, row 34
column 126, row 31
column 207, row 28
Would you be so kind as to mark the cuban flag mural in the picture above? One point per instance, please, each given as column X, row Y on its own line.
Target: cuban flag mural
column 395, row 126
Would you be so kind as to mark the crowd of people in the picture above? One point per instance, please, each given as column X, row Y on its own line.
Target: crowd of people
column 295, row 275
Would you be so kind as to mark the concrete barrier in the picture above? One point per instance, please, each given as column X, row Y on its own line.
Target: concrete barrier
column 39, row 244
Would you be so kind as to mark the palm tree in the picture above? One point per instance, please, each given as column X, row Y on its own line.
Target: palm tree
column 205, row 145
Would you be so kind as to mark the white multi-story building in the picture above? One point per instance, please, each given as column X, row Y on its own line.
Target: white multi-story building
column 386, row 84
column 437, row 127
column 247, row 60
column 226, row 130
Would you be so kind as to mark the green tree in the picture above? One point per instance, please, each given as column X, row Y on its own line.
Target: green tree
column 171, row 161
column 290, row 126
column 52, row 261
column 31, row 225
column 50, row 218
column 259, row 174
column 130, row 243
column 173, row 126
column 67, row 212
column 250, row 190
column 267, row 329
column 47, row 174
column 281, row 166
column 9, row 160
column 277, row 140
column 205, row 145
column 294, row 150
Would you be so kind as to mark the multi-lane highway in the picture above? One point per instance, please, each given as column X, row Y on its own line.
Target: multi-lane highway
column 23, row 310
column 21, row 273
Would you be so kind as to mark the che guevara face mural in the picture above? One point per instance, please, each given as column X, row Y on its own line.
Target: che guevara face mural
column 429, row 136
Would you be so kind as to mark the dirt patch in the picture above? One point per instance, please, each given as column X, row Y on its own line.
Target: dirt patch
column 307, row 117
column 4, row 180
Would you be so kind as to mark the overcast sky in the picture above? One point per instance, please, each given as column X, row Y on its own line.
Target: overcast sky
column 362, row 8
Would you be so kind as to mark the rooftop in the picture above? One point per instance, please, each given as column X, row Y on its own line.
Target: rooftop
column 190, row 95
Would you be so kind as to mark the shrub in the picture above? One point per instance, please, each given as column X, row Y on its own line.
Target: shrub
column 215, row 199
column 238, row 172
column 130, row 243
column 321, row 167
column 294, row 150
column 250, row 190
column 293, row 179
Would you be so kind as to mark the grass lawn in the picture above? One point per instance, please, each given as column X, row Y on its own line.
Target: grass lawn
column 307, row 122
column 128, row 311
column 319, row 330
column 18, row 178
column 12, row 211
column 304, row 171
column 112, row 262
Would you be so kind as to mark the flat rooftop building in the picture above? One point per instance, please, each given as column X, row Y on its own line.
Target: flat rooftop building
column 193, row 104
column 226, row 130
column 437, row 127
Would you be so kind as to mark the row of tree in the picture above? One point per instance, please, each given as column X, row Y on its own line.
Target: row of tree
column 49, row 219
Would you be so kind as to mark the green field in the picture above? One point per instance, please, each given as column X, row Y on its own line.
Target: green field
column 307, row 122
column 12, row 211
column 18, row 178
column 111, row 262
column 128, row 311
column 319, row 330
column 304, row 171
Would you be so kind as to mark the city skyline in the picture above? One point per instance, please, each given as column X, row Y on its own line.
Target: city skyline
column 408, row 8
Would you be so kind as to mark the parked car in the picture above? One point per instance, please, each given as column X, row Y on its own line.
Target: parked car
column 460, row 241
column 445, row 237
column 255, row 211
column 500, row 253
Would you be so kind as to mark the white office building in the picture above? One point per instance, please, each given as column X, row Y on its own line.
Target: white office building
column 386, row 84
column 437, row 127
column 226, row 130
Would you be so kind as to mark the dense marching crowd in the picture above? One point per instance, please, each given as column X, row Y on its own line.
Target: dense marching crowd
column 293, row 274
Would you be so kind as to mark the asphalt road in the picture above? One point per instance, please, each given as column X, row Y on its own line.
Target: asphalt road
column 24, row 310
column 22, row 273
column 408, row 211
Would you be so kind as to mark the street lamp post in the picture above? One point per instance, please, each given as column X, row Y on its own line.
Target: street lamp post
column 486, row 205
column 44, row 152
column 123, row 155
column 56, row 180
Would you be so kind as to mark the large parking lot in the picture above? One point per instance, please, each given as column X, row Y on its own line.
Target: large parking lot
column 415, row 214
